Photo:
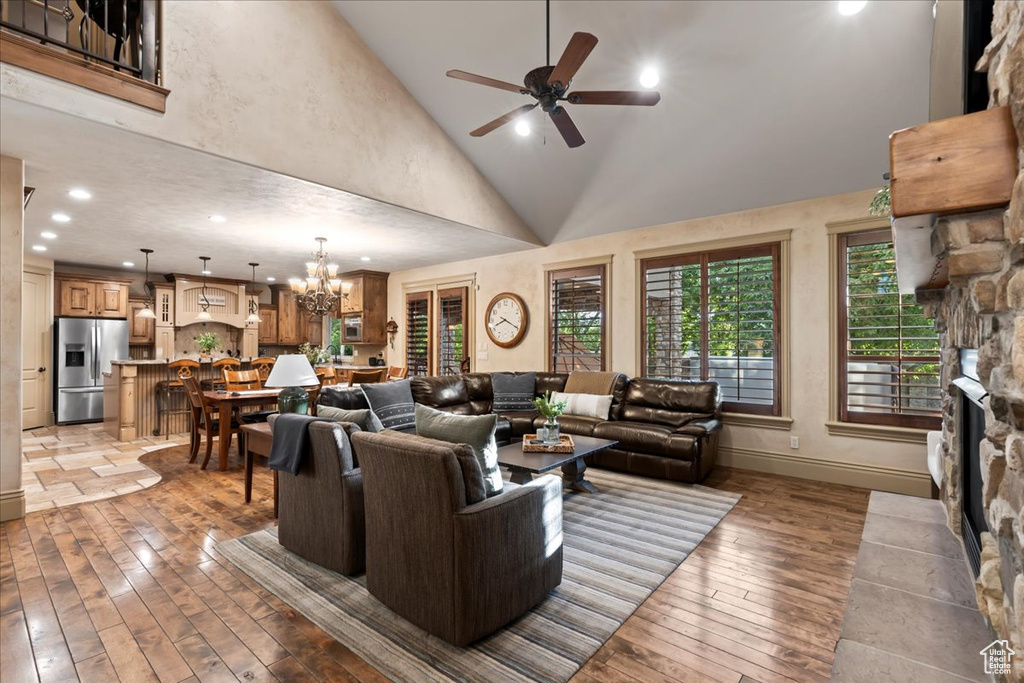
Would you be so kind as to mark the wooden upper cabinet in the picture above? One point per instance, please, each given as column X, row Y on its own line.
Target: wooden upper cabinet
column 268, row 325
column 140, row 330
column 354, row 302
column 368, row 296
column 290, row 331
column 81, row 296
column 314, row 327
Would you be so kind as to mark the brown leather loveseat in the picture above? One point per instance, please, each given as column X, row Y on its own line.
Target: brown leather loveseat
column 665, row 428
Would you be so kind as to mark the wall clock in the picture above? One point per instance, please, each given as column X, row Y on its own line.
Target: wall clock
column 507, row 320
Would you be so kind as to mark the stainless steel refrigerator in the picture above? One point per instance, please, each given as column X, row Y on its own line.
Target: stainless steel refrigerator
column 84, row 349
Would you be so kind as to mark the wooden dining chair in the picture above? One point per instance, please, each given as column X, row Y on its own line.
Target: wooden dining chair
column 204, row 418
column 366, row 377
column 241, row 380
column 326, row 376
column 262, row 365
column 396, row 372
column 219, row 366
column 314, row 394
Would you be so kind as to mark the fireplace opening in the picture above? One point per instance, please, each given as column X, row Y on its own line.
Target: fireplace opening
column 971, row 415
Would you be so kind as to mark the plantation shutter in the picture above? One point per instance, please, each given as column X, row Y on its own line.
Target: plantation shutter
column 715, row 316
column 889, row 360
column 417, row 337
column 451, row 330
column 577, row 319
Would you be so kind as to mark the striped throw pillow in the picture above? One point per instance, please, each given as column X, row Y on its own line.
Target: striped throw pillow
column 584, row 405
column 513, row 392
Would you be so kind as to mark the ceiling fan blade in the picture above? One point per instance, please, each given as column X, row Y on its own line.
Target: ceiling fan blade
column 502, row 120
column 483, row 80
column 570, row 133
column 579, row 47
column 634, row 97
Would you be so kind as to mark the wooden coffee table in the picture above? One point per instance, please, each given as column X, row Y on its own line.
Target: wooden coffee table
column 524, row 465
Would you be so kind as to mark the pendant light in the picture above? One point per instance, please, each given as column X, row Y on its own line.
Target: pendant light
column 146, row 312
column 204, row 303
column 254, row 308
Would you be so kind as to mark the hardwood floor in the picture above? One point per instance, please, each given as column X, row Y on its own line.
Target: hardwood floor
column 132, row 588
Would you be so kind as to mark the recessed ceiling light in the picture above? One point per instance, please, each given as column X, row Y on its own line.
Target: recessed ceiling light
column 271, row 279
column 47, row 235
column 649, row 77
column 218, row 219
column 364, row 258
column 850, row 7
column 79, row 193
column 523, row 127
column 206, row 272
column 61, row 217
column 38, row 247
column 128, row 264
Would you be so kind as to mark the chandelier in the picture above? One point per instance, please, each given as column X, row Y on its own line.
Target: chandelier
column 321, row 291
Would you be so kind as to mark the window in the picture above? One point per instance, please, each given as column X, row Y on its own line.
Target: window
column 452, row 310
column 417, row 336
column 715, row 316
column 889, row 351
column 577, row 320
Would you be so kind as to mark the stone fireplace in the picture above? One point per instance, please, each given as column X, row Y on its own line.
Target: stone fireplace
column 982, row 308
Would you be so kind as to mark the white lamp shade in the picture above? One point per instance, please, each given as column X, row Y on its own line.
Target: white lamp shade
column 292, row 370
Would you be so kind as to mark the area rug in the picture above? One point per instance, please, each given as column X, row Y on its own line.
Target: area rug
column 619, row 545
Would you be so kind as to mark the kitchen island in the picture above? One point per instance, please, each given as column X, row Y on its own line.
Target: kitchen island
column 130, row 397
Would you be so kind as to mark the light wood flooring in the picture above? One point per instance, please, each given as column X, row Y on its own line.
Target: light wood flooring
column 131, row 588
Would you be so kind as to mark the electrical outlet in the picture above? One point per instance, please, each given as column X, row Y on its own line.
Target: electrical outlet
column 794, row 442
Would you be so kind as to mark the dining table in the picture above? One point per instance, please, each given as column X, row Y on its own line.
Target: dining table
column 225, row 403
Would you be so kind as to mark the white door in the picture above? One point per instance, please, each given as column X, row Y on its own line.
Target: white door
column 35, row 349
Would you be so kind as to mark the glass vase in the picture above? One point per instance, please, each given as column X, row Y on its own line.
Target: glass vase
column 549, row 432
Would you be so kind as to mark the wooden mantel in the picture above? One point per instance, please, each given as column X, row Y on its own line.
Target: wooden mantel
column 959, row 165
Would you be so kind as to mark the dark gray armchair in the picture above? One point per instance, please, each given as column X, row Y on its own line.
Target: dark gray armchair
column 459, row 571
column 320, row 514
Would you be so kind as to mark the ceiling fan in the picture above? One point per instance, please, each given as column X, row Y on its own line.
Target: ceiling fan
column 549, row 85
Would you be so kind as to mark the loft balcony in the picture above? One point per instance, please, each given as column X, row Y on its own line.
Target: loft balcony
column 108, row 46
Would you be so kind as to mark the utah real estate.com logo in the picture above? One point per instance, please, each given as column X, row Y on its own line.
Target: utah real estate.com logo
column 997, row 657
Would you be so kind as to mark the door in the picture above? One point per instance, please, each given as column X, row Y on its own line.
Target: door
column 35, row 350
column 111, row 344
column 77, row 298
column 111, row 300
column 452, row 328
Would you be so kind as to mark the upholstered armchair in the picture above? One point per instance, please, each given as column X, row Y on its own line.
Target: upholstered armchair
column 320, row 514
column 457, row 569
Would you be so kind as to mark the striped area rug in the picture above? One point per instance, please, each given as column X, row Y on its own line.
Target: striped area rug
column 619, row 545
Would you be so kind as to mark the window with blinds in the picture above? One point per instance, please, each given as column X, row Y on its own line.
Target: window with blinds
column 715, row 316
column 889, row 358
column 451, row 330
column 417, row 335
column 577, row 320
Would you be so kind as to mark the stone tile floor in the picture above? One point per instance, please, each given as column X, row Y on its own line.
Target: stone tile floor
column 912, row 615
column 81, row 463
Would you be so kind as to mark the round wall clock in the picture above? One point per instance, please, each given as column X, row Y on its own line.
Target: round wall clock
column 507, row 319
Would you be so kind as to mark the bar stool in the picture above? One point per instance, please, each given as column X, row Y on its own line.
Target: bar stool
column 219, row 365
column 173, row 389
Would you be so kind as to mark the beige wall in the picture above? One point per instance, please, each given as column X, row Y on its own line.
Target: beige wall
column 946, row 96
column 12, row 176
column 290, row 87
column 873, row 463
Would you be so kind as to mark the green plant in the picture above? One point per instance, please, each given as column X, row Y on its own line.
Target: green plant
column 881, row 204
column 315, row 354
column 547, row 408
column 207, row 342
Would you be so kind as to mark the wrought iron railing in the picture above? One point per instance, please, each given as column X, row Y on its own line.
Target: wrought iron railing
column 121, row 34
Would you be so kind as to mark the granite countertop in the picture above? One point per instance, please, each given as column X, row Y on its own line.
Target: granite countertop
column 164, row 361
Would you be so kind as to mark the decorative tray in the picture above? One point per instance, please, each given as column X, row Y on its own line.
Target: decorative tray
column 566, row 445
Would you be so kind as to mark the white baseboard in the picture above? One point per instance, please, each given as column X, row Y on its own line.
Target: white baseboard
column 873, row 477
column 12, row 505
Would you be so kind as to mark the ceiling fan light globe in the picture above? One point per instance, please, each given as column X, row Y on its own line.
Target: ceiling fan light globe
column 848, row 8
column 649, row 77
column 523, row 128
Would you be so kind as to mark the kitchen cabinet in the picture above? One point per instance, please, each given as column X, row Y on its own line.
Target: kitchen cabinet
column 140, row 330
column 365, row 309
column 289, row 326
column 314, row 329
column 268, row 325
column 81, row 296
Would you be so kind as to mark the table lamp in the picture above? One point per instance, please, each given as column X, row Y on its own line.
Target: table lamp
column 292, row 371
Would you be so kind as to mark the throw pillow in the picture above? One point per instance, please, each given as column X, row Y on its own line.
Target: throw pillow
column 392, row 403
column 477, row 431
column 365, row 418
column 513, row 392
column 472, row 477
column 584, row 405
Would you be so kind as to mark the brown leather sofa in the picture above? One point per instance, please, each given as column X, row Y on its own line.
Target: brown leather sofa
column 665, row 428
column 457, row 569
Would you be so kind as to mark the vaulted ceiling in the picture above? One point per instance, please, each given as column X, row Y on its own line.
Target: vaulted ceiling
column 762, row 102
